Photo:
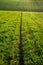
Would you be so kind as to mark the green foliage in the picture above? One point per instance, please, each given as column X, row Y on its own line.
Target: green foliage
column 24, row 5
column 32, row 37
column 32, row 34
column 9, row 38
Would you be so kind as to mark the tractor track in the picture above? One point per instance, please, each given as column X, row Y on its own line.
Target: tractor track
column 21, row 55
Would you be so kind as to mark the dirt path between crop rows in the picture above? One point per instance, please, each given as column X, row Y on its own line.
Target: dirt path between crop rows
column 21, row 61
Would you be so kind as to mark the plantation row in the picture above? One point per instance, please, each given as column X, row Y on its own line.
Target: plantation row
column 32, row 37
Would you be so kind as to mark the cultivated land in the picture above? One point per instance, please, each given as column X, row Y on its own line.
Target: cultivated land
column 32, row 34
column 24, row 28
column 9, row 37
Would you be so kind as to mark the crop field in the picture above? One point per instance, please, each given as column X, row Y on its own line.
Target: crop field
column 32, row 34
column 9, row 38
column 21, row 38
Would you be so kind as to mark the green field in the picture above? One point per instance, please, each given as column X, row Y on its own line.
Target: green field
column 32, row 34
column 9, row 37
column 32, row 37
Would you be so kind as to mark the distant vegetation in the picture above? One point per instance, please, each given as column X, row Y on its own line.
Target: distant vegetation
column 24, row 5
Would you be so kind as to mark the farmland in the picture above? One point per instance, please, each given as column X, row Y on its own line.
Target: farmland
column 31, row 35
column 9, row 38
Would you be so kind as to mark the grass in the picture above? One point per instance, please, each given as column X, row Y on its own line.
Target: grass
column 32, row 37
